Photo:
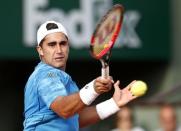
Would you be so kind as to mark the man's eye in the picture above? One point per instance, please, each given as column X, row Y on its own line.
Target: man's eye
column 51, row 44
column 63, row 43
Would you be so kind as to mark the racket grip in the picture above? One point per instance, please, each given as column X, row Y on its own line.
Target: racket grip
column 105, row 72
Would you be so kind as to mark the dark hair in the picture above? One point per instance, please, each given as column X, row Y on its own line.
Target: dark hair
column 51, row 26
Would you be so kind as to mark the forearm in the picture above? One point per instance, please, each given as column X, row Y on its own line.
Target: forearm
column 66, row 106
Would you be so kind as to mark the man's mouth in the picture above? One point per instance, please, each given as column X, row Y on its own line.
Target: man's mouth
column 59, row 58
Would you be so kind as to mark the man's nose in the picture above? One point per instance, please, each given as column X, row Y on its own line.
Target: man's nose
column 59, row 49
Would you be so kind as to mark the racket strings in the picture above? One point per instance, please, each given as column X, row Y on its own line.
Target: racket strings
column 106, row 33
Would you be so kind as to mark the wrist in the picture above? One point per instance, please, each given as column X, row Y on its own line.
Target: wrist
column 107, row 108
column 88, row 93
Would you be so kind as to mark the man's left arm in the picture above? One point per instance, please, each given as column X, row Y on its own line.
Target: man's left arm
column 88, row 116
column 93, row 114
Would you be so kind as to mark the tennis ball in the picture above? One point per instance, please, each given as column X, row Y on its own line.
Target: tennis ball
column 138, row 88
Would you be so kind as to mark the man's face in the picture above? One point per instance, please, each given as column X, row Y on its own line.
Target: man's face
column 54, row 50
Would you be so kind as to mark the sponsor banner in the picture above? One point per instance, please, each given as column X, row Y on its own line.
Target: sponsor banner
column 145, row 33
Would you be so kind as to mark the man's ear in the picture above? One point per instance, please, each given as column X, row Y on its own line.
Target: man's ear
column 39, row 50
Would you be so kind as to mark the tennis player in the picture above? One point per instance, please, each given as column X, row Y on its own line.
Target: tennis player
column 53, row 101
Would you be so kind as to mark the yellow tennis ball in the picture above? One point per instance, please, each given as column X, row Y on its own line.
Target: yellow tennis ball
column 139, row 88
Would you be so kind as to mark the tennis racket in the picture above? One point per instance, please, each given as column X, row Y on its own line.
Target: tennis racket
column 105, row 35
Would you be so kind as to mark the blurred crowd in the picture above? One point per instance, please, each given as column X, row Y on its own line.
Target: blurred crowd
column 125, row 121
column 167, row 119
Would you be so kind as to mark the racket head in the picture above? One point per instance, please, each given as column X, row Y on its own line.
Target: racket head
column 106, row 32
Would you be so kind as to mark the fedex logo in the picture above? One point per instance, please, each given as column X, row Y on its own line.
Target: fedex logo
column 35, row 13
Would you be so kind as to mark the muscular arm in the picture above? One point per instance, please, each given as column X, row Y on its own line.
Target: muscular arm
column 66, row 106
column 72, row 104
column 88, row 116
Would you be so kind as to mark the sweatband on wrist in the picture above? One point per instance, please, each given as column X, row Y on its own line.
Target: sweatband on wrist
column 107, row 108
column 88, row 94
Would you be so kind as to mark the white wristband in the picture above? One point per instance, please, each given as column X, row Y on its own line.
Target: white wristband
column 107, row 108
column 88, row 94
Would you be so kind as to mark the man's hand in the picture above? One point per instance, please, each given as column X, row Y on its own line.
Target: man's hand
column 122, row 97
column 102, row 85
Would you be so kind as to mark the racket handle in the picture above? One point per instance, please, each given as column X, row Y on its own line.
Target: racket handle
column 105, row 72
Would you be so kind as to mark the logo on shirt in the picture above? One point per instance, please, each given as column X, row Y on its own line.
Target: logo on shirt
column 51, row 74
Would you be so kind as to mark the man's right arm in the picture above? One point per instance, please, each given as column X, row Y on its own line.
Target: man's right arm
column 66, row 106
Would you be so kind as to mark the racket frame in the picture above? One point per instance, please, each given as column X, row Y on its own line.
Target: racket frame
column 105, row 54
